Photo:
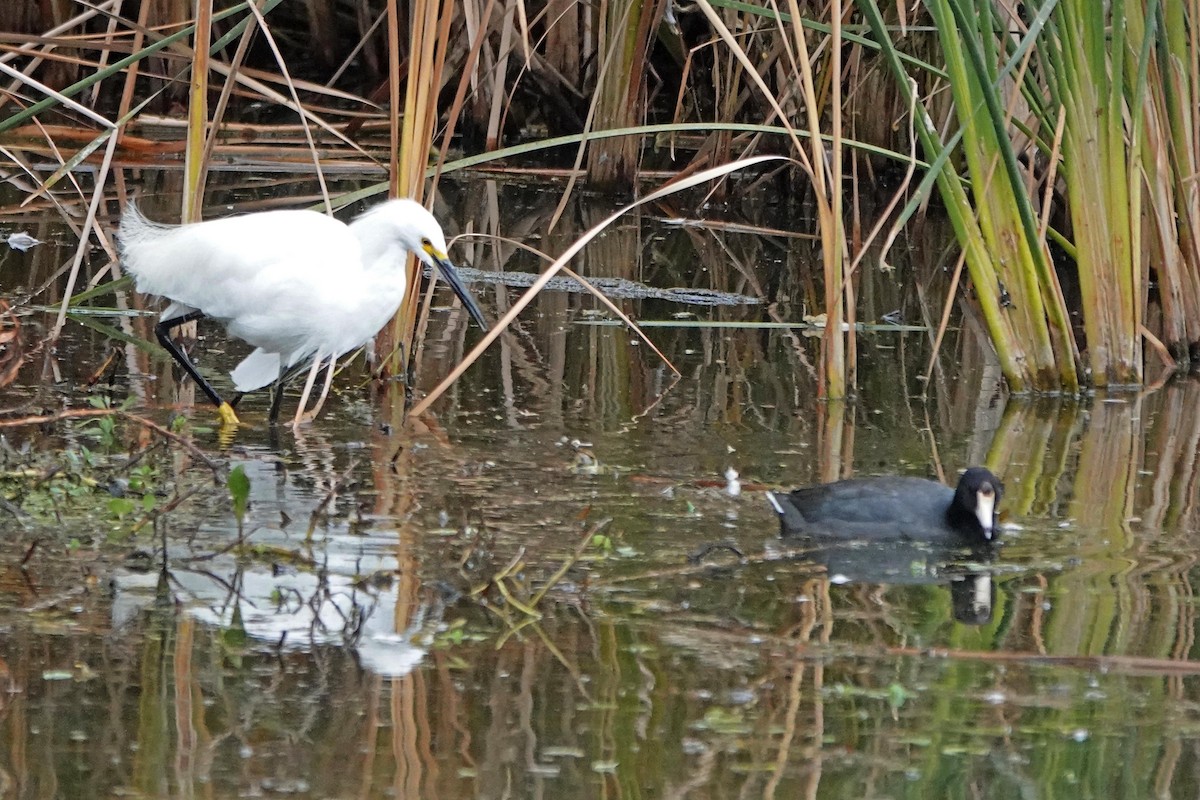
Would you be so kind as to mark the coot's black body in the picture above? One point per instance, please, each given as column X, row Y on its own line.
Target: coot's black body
column 894, row 508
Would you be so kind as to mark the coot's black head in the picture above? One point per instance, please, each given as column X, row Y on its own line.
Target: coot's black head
column 976, row 500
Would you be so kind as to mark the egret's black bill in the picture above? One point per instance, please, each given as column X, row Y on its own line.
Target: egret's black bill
column 446, row 268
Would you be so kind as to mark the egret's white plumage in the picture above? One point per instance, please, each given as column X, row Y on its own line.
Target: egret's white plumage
column 297, row 285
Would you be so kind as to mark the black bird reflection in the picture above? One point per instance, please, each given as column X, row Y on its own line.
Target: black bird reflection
column 964, row 570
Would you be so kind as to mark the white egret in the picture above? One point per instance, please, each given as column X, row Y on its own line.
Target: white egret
column 299, row 286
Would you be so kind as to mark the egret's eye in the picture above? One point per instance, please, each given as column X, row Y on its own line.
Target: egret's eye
column 428, row 245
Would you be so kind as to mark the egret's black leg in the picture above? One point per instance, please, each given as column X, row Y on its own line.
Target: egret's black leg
column 276, row 399
column 278, row 387
column 163, row 331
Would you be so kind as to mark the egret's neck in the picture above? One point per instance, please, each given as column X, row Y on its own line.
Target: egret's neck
column 381, row 250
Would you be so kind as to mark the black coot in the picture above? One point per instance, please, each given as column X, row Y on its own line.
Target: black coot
column 894, row 508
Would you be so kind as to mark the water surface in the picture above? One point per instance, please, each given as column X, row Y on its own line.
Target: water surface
column 378, row 628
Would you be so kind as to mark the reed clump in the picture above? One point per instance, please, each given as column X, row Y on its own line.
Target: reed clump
column 1059, row 138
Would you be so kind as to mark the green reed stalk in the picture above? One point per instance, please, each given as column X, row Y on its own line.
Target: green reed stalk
column 1086, row 54
column 1177, row 47
column 1014, row 285
column 194, row 167
column 839, row 356
column 1165, row 236
column 1027, row 293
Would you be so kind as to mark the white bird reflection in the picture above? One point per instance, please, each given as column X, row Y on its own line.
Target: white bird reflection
column 296, row 611
column 348, row 596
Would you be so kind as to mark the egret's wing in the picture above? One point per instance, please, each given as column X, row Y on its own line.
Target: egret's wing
column 232, row 267
column 334, row 305
column 299, row 304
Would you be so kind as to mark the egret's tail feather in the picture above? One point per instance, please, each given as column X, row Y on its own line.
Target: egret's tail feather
column 136, row 228
column 145, row 249
column 256, row 371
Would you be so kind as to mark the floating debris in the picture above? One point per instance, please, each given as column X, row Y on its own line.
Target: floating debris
column 22, row 241
column 733, row 486
column 612, row 287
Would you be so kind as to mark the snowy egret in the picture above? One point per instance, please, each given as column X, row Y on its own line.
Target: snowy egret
column 299, row 286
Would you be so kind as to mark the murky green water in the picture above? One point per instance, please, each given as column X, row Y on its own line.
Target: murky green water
column 379, row 630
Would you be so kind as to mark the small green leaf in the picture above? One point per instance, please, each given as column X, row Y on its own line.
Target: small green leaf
column 239, row 490
column 897, row 695
column 234, row 637
column 121, row 507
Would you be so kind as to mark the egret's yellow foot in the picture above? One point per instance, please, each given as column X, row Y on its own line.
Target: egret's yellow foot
column 227, row 415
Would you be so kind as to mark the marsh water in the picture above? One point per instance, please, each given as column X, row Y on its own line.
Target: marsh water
column 551, row 587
